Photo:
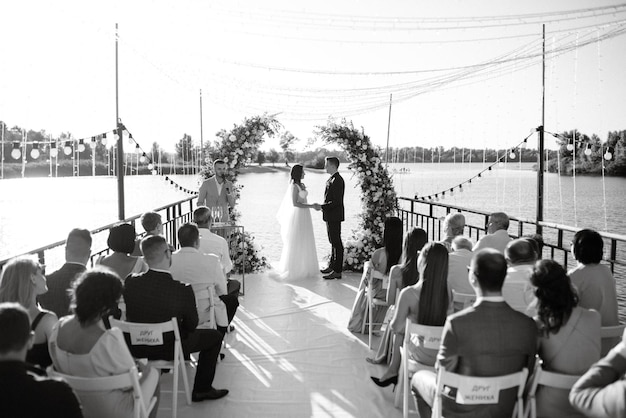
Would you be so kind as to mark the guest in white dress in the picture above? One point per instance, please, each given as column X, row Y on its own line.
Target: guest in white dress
column 82, row 345
column 298, row 258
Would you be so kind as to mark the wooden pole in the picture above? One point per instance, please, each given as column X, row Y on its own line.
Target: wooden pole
column 541, row 167
column 120, row 139
column 388, row 129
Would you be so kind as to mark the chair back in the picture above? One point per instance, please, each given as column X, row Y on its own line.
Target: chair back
column 474, row 390
column 152, row 335
column 205, row 301
column 610, row 336
column 545, row 378
column 425, row 336
column 123, row 381
column 462, row 300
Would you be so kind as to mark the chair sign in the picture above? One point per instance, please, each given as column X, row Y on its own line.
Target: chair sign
column 428, row 337
column 477, row 391
column 145, row 336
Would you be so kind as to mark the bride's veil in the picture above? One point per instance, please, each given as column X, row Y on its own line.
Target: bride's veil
column 285, row 210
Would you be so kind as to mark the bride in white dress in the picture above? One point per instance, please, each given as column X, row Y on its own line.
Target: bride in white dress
column 299, row 256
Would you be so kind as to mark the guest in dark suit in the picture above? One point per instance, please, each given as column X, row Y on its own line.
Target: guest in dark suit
column 24, row 389
column 77, row 252
column 487, row 339
column 333, row 214
column 154, row 296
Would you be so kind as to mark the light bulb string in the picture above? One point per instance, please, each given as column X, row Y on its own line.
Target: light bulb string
column 459, row 186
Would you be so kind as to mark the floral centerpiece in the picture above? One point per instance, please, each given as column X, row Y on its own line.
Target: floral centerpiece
column 378, row 197
column 237, row 147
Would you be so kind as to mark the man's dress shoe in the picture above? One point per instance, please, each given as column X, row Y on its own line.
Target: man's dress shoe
column 333, row 275
column 327, row 270
column 211, row 394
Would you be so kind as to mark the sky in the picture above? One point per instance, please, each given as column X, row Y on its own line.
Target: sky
column 459, row 73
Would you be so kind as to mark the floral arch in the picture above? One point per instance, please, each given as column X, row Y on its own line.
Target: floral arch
column 378, row 198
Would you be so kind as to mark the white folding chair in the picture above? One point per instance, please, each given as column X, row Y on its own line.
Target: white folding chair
column 421, row 335
column 487, row 386
column 544, row 378
column 205, row 301
column 610, row 336
column 372, row 302
column 462, row 300
column 141, row 408
column 138, row 336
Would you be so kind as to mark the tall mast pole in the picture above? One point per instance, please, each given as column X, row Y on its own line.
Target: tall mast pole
column 201, row 133
column 541, row 167
column 120, row 140
column 388, row 129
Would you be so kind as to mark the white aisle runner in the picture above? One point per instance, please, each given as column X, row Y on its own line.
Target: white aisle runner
column 292, row 356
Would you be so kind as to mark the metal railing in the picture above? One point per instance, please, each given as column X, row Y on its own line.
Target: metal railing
column 557, row 238
column 174, row 215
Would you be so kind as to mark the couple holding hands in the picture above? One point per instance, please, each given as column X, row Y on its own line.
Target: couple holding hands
column 299, row 256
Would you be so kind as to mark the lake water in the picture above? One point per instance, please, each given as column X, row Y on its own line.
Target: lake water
column 38, row 211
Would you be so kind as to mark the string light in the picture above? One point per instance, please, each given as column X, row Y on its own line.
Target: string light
column 81, row 145
column 16, row 153
column 130, row 139
column 570, row 145
column 53, row 149
column 34, row 153
column 150, row 166
column 512, row 155
column 608, row 155
column 143, row 158
column 588, row 150
column 104, row 139
column 93, row 141
column 116, row 135
column 137, row 148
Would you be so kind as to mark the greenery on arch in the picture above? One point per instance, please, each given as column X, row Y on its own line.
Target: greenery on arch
column 237, row 147
column 378, row 197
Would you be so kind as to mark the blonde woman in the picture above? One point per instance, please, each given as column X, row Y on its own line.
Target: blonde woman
column 22, row 280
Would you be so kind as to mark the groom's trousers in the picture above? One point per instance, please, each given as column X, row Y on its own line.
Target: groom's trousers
column 334, row 236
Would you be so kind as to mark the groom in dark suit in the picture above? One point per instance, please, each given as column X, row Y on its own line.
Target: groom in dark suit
column 333, row 215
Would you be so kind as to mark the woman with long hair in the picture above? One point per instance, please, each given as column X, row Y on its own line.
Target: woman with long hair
column 378, row 268
column 83, row 345
column 21, row 281
column 298, row 258
column 569, row 335
column 401, row 276
column 428, row 302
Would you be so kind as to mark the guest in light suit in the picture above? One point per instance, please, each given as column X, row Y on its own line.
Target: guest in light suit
column 216, row 191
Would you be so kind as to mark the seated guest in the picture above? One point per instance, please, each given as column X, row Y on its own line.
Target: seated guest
column 82, row 345
column 381, row 262
column 537, row 241
column 21, row 281
column 569, row 336
column 594, row 281
column 517, row 290
column 153, row 225
column 211, row 243
column 487, row 339
column 497, row 236
column 191, row 266
column 77, row 252
column 426, row 303
column 458, row 262
column 453, row 226
column 24, row 392
column 401, row 276
column 601, row 392
column 154, row 296
column 122, row 241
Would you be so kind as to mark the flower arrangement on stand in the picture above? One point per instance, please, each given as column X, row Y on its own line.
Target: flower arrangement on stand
column 237, row 147
column 378, row 197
